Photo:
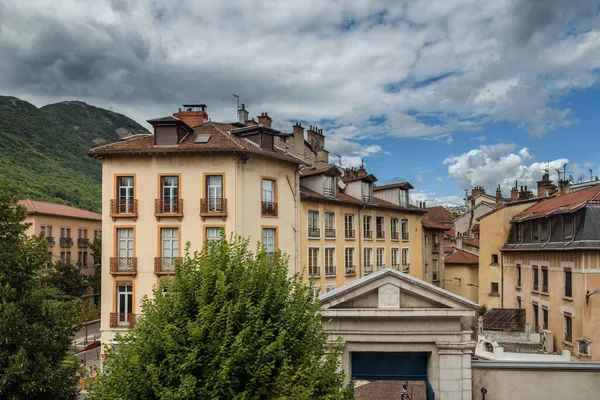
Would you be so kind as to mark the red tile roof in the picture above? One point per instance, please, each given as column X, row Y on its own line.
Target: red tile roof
column 401, row 185
column 471, row 242
column 565, row 203
column 61, row 210
column 461, row 257
column 448, row 249
column 439, row 214
column 316, row 171
column 434, row 225
column 450, row 233
column 220, row 141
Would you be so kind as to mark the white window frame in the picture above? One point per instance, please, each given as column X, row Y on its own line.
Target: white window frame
column 169, row 242
column 403, row 258
column 395, row 250
column 317, row 260
column 367, row 250
column 349, row 220
column 126, row 243
column 353, row 263
column 312, row 223
column 380, row 257
column 370, row 225
column 325, row 260
column 266, row 239
column 209, row 232
column 331, row 224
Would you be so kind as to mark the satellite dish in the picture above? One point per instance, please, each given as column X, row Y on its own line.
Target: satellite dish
column 571, row 179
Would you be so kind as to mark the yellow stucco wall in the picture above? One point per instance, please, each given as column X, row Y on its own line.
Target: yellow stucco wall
column 466, row 274
column 493, row 231
column 241, row 187
column 414, row 244
column 585, row 276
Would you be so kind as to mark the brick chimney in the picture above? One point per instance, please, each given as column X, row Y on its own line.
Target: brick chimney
column 361, row 172
column 514, row 193
column 264, row 119
column 298, row 140
column 499, row 198
column 477, row 190
column 525, row 194
column 192, row 114
column 251, row 122
column 349, row 174
column 243, row 115
column 545, row 186
column 315, row 138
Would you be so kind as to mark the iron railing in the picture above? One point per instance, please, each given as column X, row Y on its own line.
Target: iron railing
column 394, row 235
column 50, row 240
column 329, row 233
column 396, row 267
column 168, row 206
column 66, row 242
column 367, row 199
column 268, row 209
column 166, row 265
column 82, row 243
column 330, row 270
column 368, row 234
column 329, row 192
column 123, row 207
column 405, row 267
column 350, row 270
column 569, row 337
column 213, row 207
column 380, row 234
column 350, row 233
column 368, row 268
column 380, row 267
column 314, row 271
column 123, row 265
column 122, row 320
column 404, row 235
column 314, row 232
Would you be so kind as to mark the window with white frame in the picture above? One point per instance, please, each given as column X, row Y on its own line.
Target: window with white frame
column 380, row 255
column 394, row 228
column 313, row 262
column 394, row 257
column 329, row 186
column 367, row 228
column 329, row 288
column 404, row 229
column 214, row 193
column 368, row 260
column 349, row 226
column 405, row 259
column 330, row 225
column 330, row 261
column 568, row 318
column 380, row 227
column 124, row 303
column 316, row 292
column 314, row 230
column 349, row 262
column 403, row 198
column 269, row 235
column 213, row 233
column 169, row 238
column 125, row 242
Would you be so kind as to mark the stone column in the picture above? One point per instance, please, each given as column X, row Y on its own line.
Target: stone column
column 467, row 383
column 451, row 371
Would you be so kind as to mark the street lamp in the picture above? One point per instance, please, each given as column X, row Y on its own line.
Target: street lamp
column 472, row 284
column 588, row 294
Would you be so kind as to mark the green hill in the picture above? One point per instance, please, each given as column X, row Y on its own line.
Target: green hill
column 43, row 150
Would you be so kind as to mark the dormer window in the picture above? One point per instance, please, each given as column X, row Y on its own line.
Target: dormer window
column 329, row 186
column 367, row 192
column 403, row 198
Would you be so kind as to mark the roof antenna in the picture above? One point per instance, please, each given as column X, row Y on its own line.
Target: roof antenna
column 237, row 96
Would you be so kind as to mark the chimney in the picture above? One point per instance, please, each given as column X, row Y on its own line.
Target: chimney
column 315, row 138
column 322, row 160
column 349, row 174
column 192, row 114
column 477, row 190
column 264, row 119
column 251, row 122
column 298, row 141
column 514, row 193
column 242, row 115
column 499, row 198
column 545, row 186
column 362, row 172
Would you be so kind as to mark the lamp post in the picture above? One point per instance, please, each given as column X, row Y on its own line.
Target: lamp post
column 588, row 295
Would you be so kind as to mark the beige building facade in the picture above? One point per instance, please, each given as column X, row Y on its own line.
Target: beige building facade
column 461, row 269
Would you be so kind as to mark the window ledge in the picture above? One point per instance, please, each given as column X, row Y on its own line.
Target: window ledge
column 535, row 291
column 545, row 293
column 567, row 343
column 495, row 294
column 494, row 264
column 567, row 298
column 330, row 238
column 519, row 288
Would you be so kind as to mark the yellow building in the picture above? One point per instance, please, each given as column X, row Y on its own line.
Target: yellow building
column 68, row 231
column 552, row 270
column 461, row 274
column 184, row 183
column 351, row 228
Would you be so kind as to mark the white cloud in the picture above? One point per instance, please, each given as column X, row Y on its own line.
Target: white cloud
column 479, row 138
column 439, row 179
column 430, row 198
column 490, row 166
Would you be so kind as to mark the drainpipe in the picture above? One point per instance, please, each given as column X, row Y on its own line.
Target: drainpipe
column 501, row 279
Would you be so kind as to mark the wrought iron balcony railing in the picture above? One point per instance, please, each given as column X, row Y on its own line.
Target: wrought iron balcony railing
column 330, row 270
column 350, row 270
column 329, row 192
column 405, row 236
column 66, row 242
column 368, row 234
column 329, row 233
column 213, row 207
column 268, row 209
column 168, row 208
column 396, row 267
column 122, row 320
column 166, row 265
column 82, row 243
column 350, row 233
column 314, row 232
column 380, row 234
column 50, row 240
column 123, row 266
column 394, row 235
column 123, row 208
column 314, row 271
column 380, row 266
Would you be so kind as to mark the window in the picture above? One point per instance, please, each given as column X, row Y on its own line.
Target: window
column 568, row 328
column 568, row 223
column 380, row 255
column 213, row 233
column 379, row 227
column 269, row 204
column 214, row 193
column 568, row 283
column 329, row 225
column 316, row 291
column 367, row 260
column 80, row 259
column 426, row 267
column 314, row 230
column 394, row 228
column 403, row 200
column 394, row 258
column 544, row 317
column 405, row 260
column 349, row 265
column 329, row 186
column 518, row 275
column 269, row 242
column 97, row 234
column 435, row 270
column 545, row 279
column 329, row 288
column 125, row 190
column 65, row 232
column 82, row 233
column 494, row 288
column 330, row 261
column 43, row 230
column 367, row 192
column 169, row 196
column 404, row 229
column 535, row 322
column 313, row 262
column 48, row 231
column 518, row 232
column 349, row 226
column 534, row 272
column 494, row 259
column 544, row 231
column 170, row 243
column 125, row 242
column 124, row 304
column 367, row 228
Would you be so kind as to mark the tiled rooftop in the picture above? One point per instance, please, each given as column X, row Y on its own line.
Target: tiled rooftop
column 61, row 210
column 565, row 203
column 461, row 257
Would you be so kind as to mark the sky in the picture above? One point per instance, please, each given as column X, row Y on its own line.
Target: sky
column 445, row 94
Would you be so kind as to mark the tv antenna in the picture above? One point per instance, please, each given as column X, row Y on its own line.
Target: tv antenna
column 237, row 96
column 339, row 162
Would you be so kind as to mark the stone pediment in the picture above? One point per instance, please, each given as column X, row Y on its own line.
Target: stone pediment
column 392, row 290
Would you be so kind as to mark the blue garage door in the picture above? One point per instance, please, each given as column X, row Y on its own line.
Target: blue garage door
column 389, row 366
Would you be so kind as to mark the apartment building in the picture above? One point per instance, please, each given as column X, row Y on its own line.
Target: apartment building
column 68, row 231
column 433, row 251
column 190, row 181
column 461, row 274
column 352, row 228
column 551, row 268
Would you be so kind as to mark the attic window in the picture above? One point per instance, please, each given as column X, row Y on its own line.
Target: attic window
column 202, row 138
column 568, row 226
column 329, row 186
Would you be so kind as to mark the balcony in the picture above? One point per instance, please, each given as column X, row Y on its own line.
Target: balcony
column 380, row 234
column 268, row 209
column 435, row 248
column 314, row 232
column 122, row 320
column 569, row 337
column 82, row 243
column 350, row 270
column 535, row 285
column 350, row 233
column 123, row 266
column 396, row 267
column 329, row 192
column 50, row 240
column 213, row 207
column 405, row 236
column 367, row 199
column 368, row 268
column 164, row 208
column 123, row 208
column 314, row 272
column 368, row 234
column 405, row 267
column 545, row 287
column 394, row 235
column 380, row 267
column 330, row 270
column 66, row 242
column 166, row 265
column 329, row 233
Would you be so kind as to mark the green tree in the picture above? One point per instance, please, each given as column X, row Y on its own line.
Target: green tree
column 95, row 279
column 232, row 325
column 65, row 277
column 36, row 320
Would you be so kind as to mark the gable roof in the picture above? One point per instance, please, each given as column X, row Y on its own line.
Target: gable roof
column 354, row 285
column 562, row 204
column 461, row 257
column 331, row 170
column 439, row 214
column 507, row 203
column 434, row 225
column 367, row 178
column 472, row 209
column 220, row 141
column 60, row 210
column 401, row 185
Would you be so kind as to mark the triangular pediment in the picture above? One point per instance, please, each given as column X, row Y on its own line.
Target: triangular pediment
column 392, row 290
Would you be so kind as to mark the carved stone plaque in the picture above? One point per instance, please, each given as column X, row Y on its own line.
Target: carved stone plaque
column 389, row 296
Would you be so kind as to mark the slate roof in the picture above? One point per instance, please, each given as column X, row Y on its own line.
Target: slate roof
column 61, row 210
column 461, row 257
column 561, row 204
column 220, row 141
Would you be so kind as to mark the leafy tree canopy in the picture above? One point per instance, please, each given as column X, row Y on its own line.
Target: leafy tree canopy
column 36, row 320
column 66, row 277
column 232, row 325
